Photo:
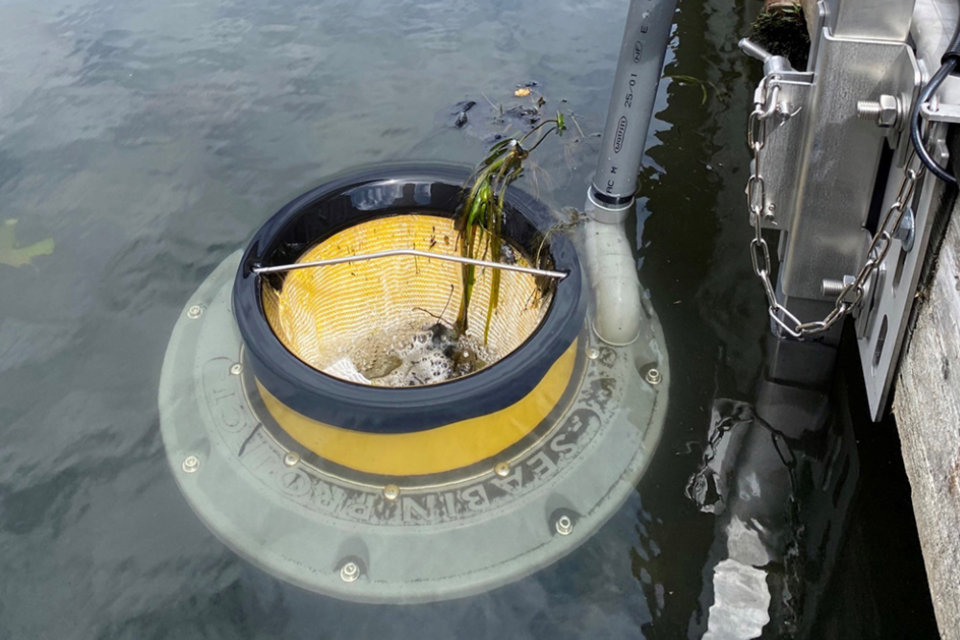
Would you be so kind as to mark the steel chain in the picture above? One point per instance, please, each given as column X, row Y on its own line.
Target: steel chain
column 852, row 293
column 744, row 414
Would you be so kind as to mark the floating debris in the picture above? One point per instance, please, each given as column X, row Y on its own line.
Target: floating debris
column 426, row 355
column 462, row 114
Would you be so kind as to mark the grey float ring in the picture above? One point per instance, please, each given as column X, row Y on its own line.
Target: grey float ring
column 431, row 543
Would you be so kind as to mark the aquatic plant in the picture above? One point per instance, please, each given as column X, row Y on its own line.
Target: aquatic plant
column 481, row 217
column 694, row 81
column 11, row 253
column 781, row 29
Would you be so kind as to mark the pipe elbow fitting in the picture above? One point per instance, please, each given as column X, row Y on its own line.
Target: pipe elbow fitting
column 617, row 313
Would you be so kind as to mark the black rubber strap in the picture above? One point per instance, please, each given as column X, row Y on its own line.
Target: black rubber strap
column 611, row 200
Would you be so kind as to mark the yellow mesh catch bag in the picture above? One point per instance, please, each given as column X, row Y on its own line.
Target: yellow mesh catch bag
column 322, row 314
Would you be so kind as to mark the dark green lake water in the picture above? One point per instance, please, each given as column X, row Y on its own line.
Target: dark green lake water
column 150, row 140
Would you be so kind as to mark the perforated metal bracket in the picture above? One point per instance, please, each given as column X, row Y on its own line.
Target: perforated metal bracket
column 885, row 315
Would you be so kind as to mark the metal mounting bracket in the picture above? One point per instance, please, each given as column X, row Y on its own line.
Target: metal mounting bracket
column 882, row 320
column 834, row 156
column 941, row 113
column 827, row 158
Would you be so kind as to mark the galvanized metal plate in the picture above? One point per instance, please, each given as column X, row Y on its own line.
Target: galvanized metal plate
column 838, row 163
column 882, row 322
column 407, row 544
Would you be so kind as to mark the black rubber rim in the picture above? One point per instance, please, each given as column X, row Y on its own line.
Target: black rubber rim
column 378, row 192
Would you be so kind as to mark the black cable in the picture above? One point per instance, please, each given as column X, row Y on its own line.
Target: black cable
column 948, row 64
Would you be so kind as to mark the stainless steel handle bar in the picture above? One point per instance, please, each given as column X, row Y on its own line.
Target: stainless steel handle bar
column 558, row 275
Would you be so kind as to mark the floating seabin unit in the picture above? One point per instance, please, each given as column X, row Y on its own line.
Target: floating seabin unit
column 414, row 472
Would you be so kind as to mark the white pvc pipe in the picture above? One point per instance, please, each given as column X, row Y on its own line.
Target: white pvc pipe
column 609, row 255
column 612, row 272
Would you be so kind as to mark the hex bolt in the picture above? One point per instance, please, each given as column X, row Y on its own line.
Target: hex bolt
column 564, row 525
column 190, row 464
column 195, row 312
column 592, row 353
column 350, row 572
column 291, row 459
column 868, row 109
column 236, row 369
column 653, row 377
column 502, row 469
column 831, row 288
column 886, row 111
column 391, row 492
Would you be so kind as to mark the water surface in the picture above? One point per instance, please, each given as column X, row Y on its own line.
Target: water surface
column 149, row 140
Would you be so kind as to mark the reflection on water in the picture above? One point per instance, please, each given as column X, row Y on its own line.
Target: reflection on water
column 769, row 487
column 150, row 139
